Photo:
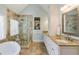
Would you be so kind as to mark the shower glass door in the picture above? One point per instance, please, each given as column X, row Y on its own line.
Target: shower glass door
column 26, row 31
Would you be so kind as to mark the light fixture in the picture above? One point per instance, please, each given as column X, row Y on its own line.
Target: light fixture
column 68, row 6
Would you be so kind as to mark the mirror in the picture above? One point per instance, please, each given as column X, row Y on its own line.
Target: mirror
column 70, row 22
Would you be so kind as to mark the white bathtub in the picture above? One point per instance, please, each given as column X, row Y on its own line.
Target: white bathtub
column 9, row 48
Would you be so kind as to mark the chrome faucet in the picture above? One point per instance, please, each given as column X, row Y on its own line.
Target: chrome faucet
column 68, row 38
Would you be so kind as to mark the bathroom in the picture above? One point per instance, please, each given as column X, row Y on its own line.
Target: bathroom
column 19, row 24
column 39, row 29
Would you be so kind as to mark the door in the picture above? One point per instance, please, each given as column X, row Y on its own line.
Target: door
column 26, row 31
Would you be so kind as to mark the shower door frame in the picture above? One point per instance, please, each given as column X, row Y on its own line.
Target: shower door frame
column 29, row 42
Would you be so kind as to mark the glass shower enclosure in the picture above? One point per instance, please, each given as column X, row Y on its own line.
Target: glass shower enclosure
column 25, row 31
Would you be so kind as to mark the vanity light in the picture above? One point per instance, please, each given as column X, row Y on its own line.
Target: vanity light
column 69, row 6
column 64, row 7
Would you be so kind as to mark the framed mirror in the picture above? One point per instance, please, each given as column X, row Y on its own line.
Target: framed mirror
column 70, row 22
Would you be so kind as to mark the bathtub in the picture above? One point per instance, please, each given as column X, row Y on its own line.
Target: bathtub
column 9, row 48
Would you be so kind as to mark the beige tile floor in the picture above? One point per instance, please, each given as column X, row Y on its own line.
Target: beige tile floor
column 34, row 49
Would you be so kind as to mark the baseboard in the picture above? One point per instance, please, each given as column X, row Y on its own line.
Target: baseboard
column 38, row 41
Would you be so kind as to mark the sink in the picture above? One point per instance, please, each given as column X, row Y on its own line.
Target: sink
column 62, row 41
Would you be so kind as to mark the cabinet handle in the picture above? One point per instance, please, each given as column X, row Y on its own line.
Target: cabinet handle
column 52, row 49
column 52, row 52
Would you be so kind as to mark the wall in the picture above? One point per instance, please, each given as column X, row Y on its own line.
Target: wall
column 52, row 20
column 55, row 21
column 59, row 14
column 36, row 11
column 45, row 23
column 55, row 18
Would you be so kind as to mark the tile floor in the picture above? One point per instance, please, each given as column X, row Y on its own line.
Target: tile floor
column 34, row 49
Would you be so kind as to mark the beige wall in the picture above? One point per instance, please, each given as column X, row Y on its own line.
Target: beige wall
column 53, row 20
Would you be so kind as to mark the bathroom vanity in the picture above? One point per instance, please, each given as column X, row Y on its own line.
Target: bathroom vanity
column 60, row 46
column 65, row 45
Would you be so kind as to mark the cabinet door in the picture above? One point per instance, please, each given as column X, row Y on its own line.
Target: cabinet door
column 68, row 50
column 52, row 47
column 47, row 44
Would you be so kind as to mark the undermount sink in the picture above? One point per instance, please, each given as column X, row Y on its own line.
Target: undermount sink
column 62, row 41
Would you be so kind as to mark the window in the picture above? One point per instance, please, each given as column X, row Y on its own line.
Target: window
column 14, row 27
column 2, row 28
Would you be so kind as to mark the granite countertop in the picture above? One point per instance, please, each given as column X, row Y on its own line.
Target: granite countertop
column 61, row 41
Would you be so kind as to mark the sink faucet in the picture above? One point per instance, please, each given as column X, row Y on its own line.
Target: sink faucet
column 69, row 39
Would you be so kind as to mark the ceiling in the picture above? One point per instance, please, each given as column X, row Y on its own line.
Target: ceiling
column 45, row 7
column 19, row 7
column 16, row 7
